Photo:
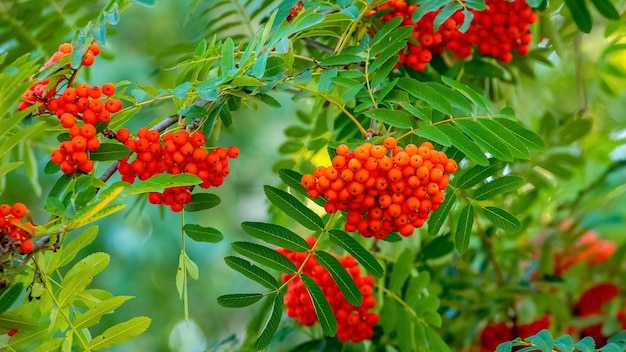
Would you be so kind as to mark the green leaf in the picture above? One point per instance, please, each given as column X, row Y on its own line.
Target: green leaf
column 435, row 341
column 322, row 308
column 246, row 81
column 387, row 28
column 146, row 3
column 445, row 13
column 606, row 9
column 272, row 324
column 109, row 151
column 265, row 256
column 464, row 228
column 415, row 287
column 293, row 208
column 467, row 21
column 258, row 69
column 69, row 251
column 252, row 271
column 485, row 138
column 343, row 279
column 202, row 201
column 181, row 90
column 464, row 144
column 543, row 340
column 438, row 217
column 432, row 133
column 516, row 146
column 362, row 255
column 10, row 295
column 404, row 330
column 341, row 60
column 500, row 185
column 472, row 95
column 292, row 179
column 401, row 271
column 228, row 57
column 477, row 174
column 586, row 344
column 424, row 92
column 92, row 316
column 505, row 347
column 74, row 283
column 276, row 235
column 200, row 233
column 580, row 14
column 564, row 343
column 120, row 333
column 238, row 300
column 396, row 118
column 11, row 320
column 502, row 218
column 8, row 167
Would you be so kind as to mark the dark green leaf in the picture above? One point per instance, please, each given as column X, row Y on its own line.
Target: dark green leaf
column 202, row 201
column 500, row 185
column 276, row 235
column 516, row 146
column 464, row 144
column 473, row 96
column 343, row 279
column 396, row 118
column 272, row 324
column 387, row 28
column 203, row 234
column 435, row 341
column 426, row 93
column 438, row 216
column 238, row 300
column 477, row 174
column 252, row 272
column 109, row 151
column 341, row 60
column 485, row 138
column 10, row 295
column 580, row 14
column 292, row 179
column 265, row 256
column 362, row 255
column 322, row 307
column 432, row 133
column 464, row 228
column 502, row 218
column 293, row 208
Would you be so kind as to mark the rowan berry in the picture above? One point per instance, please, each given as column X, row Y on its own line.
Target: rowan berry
column 108, row 89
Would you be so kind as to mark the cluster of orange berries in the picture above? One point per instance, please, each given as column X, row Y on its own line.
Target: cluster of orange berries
column 11, row 226
column 74, row 105
column 353, row 323
column 174, row 153
column 497, row 31
column 38, row 93
column 383, row 193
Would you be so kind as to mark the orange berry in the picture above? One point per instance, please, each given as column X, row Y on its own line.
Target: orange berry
column 18, row 210
column 113, row 105
column 26, row 247
column 95, row 49
column 88, row 59
column 82, row 90
column 390, row 143
column 65, row 48
column 67, row 120
column 123, row 134
column 108, row 89
column 342, row 149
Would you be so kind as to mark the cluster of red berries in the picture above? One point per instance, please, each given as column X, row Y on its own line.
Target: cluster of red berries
column 174, row 153
column 11, row 226
column 353, row 323
column 590, row 306
column 496, row 31
column 383, row 193
column 496, row 333
column 39, row 93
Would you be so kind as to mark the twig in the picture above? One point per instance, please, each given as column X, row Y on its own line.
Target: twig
column 314, row 43
column 488, row 245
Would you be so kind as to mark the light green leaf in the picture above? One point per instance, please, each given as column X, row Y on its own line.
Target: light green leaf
column 362, row 255
column 338, row 60
column 396, row 118
column 252, row 272
column 477, row 174
column 272, row 323
column 502, row 218
column 293, row 208
column 11, row 320
column 92, row 316
column 464, row 228
column 323, row 309
column 246, row 81
column 276, row 235
column 75, row 282
column 343, row 279
column 464, row 144
column 200, row 233
column 472, row 95
column 120, row 333
column 530, row 138
column 432, row 133
column 500, row 185
column 228, row 57
column 265, row 256
column 401, row 271
column 239, row 300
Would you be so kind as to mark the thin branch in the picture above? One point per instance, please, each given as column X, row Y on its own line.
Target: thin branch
column 488, row 245
column 314, row 43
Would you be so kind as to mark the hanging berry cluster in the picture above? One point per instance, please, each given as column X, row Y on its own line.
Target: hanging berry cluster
column 497, row 31
column 78, row 109
column 13, row 232
column 353, row 323
column 173, row 153
column 383, row 193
